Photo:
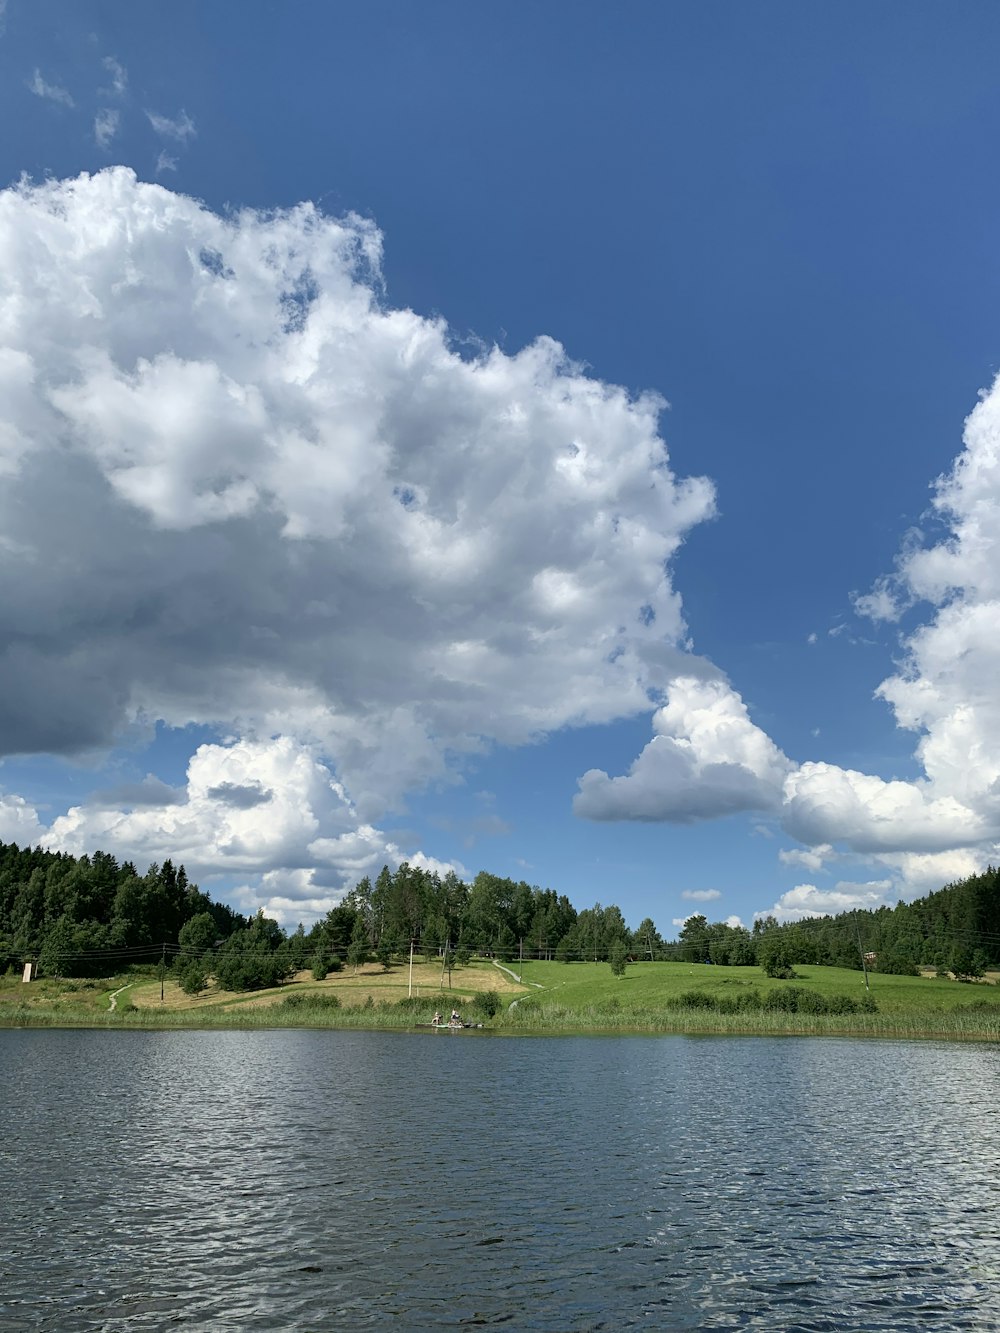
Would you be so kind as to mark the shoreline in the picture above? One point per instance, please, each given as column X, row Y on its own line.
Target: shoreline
column 538, row 999
column 896, row 1027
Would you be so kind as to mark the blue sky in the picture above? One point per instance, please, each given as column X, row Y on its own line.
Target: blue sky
column 779, row 218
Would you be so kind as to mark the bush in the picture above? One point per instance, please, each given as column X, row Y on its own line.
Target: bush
column 695, row 999
column 333, row 963
column 774, row 955
column 320, row 967
column 897, row 964
column 310, row 1000
column 194, row 979
column 788, row 1000
column 487, row 1002
column 618, row 959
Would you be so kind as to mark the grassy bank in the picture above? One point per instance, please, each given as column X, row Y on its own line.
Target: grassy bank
column 547, row 998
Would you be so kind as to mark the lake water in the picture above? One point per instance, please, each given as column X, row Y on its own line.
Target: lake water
column 352, row 1180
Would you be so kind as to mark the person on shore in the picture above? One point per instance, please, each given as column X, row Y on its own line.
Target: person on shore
column 456, row 1018
column 436, row 1020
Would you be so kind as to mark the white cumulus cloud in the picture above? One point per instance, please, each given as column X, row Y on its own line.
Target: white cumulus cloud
column 806, row 900
column 706, row 759
column 701, row 895
column 241, row 490
column 810, row 858
column 945, row 692
column 268, row 810
column 19, row 821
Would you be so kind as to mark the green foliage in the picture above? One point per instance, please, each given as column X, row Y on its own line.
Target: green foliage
column 618, row 958
column 357, row 951
column 310, row 1000
column 88, row 915
column 91, row 915
column 198, row 934
column 488, row 1003
column 194, row 978
column 965, row 963
column 566, row 948
column 320, row 967
column 789, row 999
column 775, row 956
column 253, row 958
column 419, row 1004
column 893, row 963
column 693, row 940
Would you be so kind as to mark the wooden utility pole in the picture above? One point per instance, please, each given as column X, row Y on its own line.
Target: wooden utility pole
column 163, row 970
column 410, row 991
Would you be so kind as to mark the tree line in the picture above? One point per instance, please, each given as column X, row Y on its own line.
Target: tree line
column 90, row 915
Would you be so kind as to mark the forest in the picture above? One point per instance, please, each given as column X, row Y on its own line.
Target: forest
column 91, row 916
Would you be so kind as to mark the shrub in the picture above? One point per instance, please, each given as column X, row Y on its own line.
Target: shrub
column 695, row 999
column 487, row 1002
column 310, row 1000
column 618, row 959
column 788, row 1000
column 989, row 1007
column 333, row 963
column 194, row 979
column 320, row 967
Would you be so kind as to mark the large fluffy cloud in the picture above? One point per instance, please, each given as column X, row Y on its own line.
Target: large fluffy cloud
column 807, row 900
column 946, row 691
column 267, row 816
column 239, row 489
column 708, row 758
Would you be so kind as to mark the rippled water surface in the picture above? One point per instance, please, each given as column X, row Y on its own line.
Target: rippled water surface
column 350, row 1180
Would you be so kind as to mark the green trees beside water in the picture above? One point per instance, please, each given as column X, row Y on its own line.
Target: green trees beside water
column 74, row 914
column 90, row 915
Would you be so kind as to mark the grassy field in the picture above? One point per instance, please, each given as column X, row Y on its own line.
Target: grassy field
column 585, row 996
column 549, row 998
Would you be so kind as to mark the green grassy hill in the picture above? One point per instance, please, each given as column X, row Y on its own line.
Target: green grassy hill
column 550, row 998
column 684, row 996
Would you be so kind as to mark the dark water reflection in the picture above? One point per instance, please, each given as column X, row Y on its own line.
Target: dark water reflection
column 347, row 1180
